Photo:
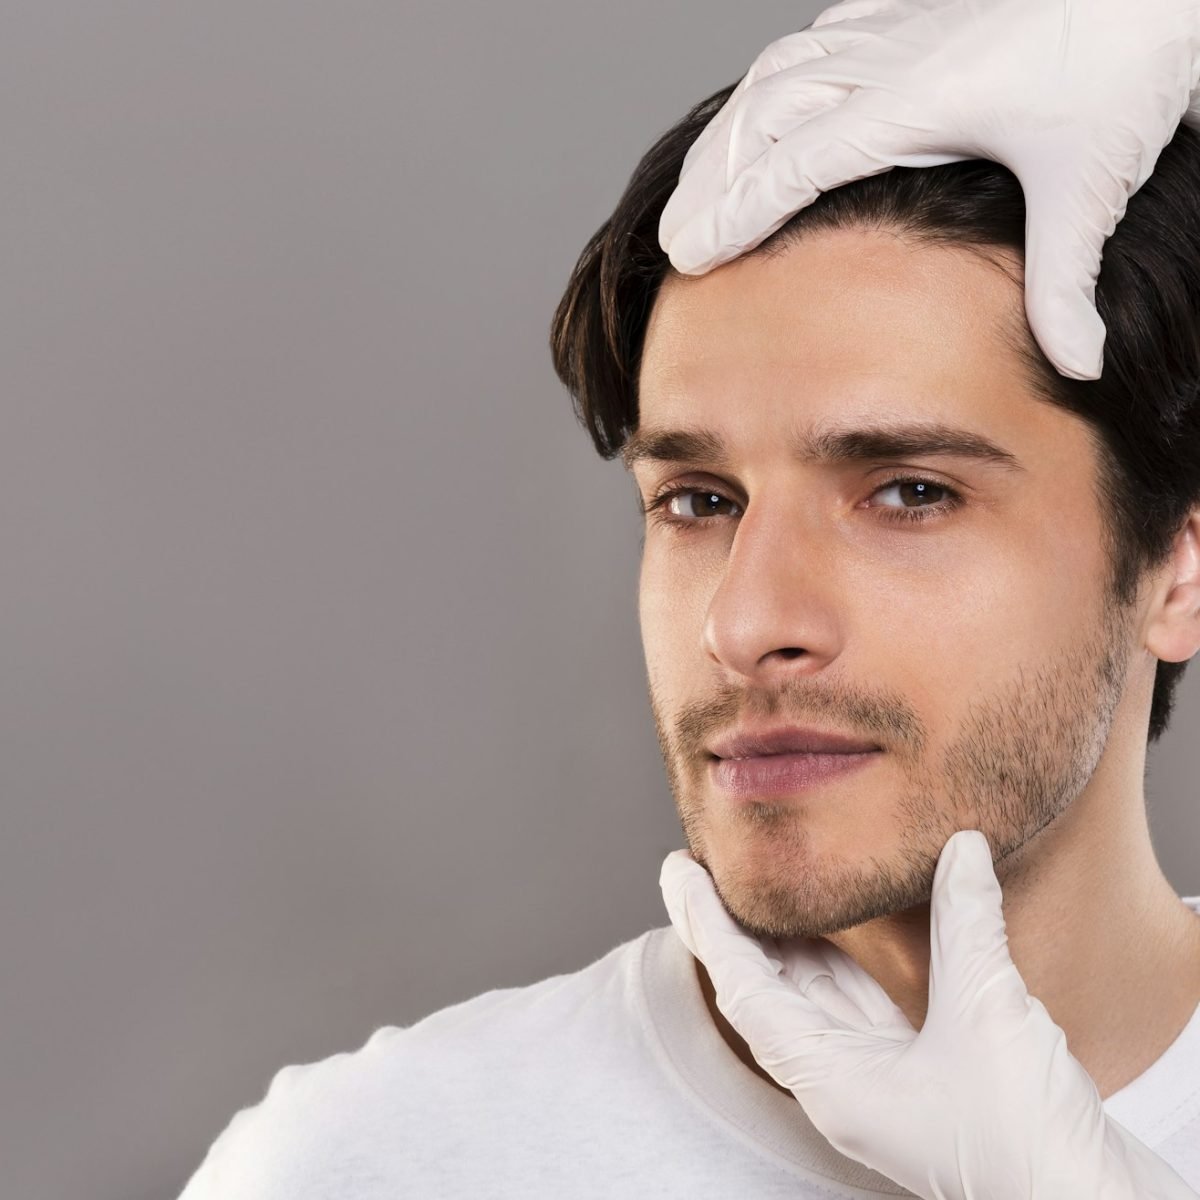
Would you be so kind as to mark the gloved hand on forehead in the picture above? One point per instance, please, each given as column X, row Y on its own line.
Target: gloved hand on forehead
column 984, row 1103
column 1076, row 97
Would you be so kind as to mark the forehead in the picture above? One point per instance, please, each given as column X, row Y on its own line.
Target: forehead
column 842, row 318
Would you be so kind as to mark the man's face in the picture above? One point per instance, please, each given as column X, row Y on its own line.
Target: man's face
column 977, row 647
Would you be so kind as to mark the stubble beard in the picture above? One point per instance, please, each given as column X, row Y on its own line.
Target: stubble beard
column 1023, row 753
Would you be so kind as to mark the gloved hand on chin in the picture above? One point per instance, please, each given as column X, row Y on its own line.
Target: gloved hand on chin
column 984, row 1103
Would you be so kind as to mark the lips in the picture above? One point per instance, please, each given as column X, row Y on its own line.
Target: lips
column 789, row 739
column 757, row 779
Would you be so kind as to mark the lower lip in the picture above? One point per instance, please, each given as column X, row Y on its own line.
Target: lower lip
column 781, row 774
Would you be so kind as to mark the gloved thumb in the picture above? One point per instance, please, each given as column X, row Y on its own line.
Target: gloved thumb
column 972, row 978
column 1067, row 221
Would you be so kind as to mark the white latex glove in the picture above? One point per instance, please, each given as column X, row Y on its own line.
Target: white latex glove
column 984, row 1103
column 1077, row 99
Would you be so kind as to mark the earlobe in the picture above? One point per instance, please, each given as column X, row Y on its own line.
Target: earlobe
column 1173, row 634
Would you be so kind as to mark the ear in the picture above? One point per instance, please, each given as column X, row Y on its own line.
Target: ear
column 1173, row 622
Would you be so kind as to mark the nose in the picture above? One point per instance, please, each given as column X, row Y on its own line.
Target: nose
column 774, row 613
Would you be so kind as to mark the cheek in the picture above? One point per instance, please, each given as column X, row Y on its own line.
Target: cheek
column 960, row 625
column 672, row 605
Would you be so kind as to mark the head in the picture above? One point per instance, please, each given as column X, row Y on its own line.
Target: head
column 1006, row 617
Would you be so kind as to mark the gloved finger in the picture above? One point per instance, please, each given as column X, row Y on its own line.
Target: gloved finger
column 852, row 10
column 785, row 53
column 717, row 124
column 795, row 49
column 1068, row 218
column 823, row 989
column 782, row 54
column 838, row 984
column 846, row 143
column 752, row 988
column 880, row 1011
column 695, row 909
column 770, row 110
column 972, row 977
column 710, row 175
column 785, row 85
column 805, row 964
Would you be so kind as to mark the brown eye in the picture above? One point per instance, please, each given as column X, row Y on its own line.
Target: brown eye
column 921, row 490
column 693, row 502
column 917, row 489
column 697, row 505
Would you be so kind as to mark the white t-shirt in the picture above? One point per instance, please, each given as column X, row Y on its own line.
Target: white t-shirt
column 611, row 1081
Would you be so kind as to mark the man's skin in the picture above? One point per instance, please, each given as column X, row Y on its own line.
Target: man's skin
column 977, row 648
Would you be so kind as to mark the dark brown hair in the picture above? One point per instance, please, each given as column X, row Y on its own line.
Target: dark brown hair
column 1143, row 413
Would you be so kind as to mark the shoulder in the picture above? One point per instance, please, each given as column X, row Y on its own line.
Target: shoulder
column 287, row 1144
column 341, row 1126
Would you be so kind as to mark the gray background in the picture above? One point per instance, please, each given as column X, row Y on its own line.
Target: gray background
column 323, row 703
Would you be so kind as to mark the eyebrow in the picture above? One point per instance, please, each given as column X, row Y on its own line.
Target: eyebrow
column 831, row 445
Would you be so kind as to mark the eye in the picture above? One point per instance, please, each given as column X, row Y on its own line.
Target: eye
column 921, row 488
column 659, row 509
